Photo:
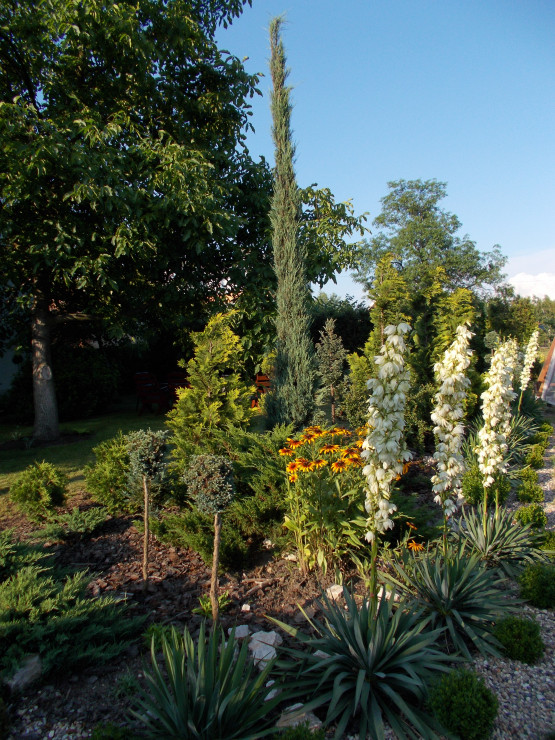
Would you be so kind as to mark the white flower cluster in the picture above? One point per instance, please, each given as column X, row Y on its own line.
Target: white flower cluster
column 496, row 410
column 384, row 448
column 529, row 357
column 450, row 374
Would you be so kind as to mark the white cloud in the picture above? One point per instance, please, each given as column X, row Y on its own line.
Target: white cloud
column 528, row 285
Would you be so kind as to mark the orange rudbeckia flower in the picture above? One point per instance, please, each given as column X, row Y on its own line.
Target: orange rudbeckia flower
column 293, row 477
column 416, row 546
column 286, row 451
column 294, row 443
column 291, row 467
column 339, row 465
column 319, row 463
column 303, row 464
column 328, row 449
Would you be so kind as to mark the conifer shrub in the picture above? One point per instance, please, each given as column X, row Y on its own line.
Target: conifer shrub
column 39, row 489
column 547, row 543
column 527, row 475
column 537, row 585
column 534, row 458
column 530, row 493
column 473, row 486
column 533, row 514
column 464, row 705
column 520, row 638
column 107, row 479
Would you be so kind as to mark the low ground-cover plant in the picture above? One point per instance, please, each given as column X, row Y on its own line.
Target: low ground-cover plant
column 73, row 524
column 532, row 515
column 458, row 595
column 537, row 585
column 520, row 638
column 502, row 544
column 44, row 613
column 39, row 489
column 205, row 691
column 366, row 669
column 464, row 705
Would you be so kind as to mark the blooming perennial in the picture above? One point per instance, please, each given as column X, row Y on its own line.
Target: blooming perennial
column 496, row 410
column 450, row 374
column 384, row 449
column 529, row 357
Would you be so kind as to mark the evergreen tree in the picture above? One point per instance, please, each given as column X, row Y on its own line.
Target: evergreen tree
column 331, row 358
column 292, row 397
column 216, row 396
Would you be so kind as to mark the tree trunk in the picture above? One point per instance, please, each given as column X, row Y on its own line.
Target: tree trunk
column 44, row 393
column 146, row 533
column 215, row 561
column 332, row 393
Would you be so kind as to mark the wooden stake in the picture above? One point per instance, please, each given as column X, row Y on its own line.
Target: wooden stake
column 146, row 532
column 215, row 560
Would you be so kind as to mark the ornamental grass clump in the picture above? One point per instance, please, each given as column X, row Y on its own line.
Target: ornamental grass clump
column 452, row 384
column 496, row 410
column 210, row 485
column 384, row 449
column 366, row 666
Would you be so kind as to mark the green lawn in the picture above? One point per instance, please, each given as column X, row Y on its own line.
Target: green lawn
column 71, row 458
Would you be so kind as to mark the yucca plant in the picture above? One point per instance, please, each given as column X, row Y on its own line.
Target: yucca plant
column 209, row 692
column 366, row 669
column 457, row 593
column 501, row 544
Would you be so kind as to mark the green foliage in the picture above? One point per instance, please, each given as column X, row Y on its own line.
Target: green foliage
column 530, row 492
column 547, row 543
column 503, row 545
column 464, row 705
column 107, row 478
column 355, row 392
column 527, row 475
column 534, row 458
column 208, row 694
column 209, row 481
column 205, row 607
column 532, row 515
column 111, row 731
column 74, row 524
column 473, row 486
column 146, row 449
column 217, row 397
column 154, row 634
column 458, row 595
column 51, row 616
column 126, row 685
column 376, row 669
column 419, row 429
column 39, row 489
column 300, row 732
column 330, row 355
column 422, row 236
column 192, row 528
column 521, row 639
column 537, row 585
column 291, row 399
column 116, row 478
column 4, row 720
column 352, row 319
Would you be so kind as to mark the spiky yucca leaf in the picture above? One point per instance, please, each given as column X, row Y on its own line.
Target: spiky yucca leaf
column 457, row 593
column 210, row 692
column 369, row 669
column 502, row 545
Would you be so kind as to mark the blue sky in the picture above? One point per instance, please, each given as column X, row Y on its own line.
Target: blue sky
column 462, row 91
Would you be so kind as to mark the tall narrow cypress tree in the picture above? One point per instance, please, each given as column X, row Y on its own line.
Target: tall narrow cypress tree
column 292, row 397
